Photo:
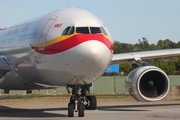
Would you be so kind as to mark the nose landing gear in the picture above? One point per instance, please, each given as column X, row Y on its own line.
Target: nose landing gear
column 80, row 102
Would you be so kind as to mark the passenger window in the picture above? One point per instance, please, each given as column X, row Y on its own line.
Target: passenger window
column 65, row 31
column 83, row 30
column 104, row 31
column 95, row 30
column 71, row 31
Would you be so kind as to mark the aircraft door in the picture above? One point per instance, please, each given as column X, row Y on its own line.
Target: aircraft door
column 44, row 33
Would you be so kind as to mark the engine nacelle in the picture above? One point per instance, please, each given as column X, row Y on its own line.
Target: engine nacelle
column 148, row 83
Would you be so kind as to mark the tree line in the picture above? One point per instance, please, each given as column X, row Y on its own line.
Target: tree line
column 170, row 67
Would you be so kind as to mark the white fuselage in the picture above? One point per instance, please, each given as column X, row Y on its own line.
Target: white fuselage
column 43, row 55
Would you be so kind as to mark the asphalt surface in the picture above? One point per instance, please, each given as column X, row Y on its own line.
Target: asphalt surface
column 131, row 110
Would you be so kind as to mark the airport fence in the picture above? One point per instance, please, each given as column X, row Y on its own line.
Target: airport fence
column 107, row 85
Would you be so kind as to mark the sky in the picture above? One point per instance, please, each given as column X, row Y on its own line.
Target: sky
column 127, row 20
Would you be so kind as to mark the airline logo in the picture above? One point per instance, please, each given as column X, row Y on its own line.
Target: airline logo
column 58, row 25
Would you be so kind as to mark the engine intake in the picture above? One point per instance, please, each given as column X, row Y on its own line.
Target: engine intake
column 148, row 83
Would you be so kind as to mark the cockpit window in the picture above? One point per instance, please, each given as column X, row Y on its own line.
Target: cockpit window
column 104, row 31
column 71, row 31
column 95, row 30
column 83, row 30
column 68, row 31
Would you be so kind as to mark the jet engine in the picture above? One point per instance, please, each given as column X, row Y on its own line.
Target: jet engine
column 148, row 83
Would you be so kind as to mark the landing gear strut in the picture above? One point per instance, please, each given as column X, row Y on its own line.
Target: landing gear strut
column 80, row 102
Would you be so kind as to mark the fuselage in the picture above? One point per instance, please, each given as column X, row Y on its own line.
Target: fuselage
column 65, row 47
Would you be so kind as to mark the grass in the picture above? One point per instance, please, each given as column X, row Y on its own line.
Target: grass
column 59, row 98
column 65, row 98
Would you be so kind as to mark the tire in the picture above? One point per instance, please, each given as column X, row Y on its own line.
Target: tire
column 71, row 100
column 70, row 110
column 93, row 103
column 81, row 109
column 87, row 107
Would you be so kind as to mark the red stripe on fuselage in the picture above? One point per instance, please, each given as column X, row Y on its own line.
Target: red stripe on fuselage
column 74, row 41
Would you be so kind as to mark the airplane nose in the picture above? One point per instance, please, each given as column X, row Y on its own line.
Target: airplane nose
column 94, row 57
column 94, row 50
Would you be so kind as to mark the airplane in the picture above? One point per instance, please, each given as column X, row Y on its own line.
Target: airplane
column 72, row 47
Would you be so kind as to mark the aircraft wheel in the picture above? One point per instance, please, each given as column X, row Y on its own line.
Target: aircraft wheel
column 71, row 110
column 81, row 109
column 71, row 100
column 92, row 102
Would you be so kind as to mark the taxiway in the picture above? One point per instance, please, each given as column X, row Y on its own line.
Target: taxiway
column 166, row 110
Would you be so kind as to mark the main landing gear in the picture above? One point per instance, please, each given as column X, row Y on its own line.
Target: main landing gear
column 80, row 102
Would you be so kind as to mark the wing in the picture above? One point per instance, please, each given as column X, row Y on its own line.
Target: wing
column 167, row 54
column 144, row 83
column 4, row 66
